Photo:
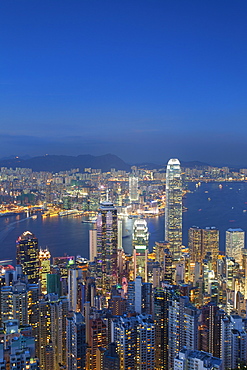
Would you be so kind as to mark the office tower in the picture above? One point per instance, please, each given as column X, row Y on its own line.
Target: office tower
column 173, row 210
column 233, row 342
column 52, row 332
column 107, row 243
column 45, row 268
column 135, row 340
column 203, row 241
column 27, row 255
column 235, row 244
column 61, row 265
column 182, row 327
column 54, row 284
column 195, row 244
column 76, row 341
column 140, row 244
column 164, row 257
column 194, row 360
column 210, row 244
column 111, row 358
column 133, row 188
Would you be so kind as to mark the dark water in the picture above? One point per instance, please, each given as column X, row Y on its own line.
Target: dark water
column 208, row 205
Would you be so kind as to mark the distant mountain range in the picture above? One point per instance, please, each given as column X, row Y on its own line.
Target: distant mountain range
column 57, row 163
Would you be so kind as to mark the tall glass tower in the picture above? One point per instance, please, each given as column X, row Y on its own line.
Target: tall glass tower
column 173, row 211
column 107, row 243
column 27, row 255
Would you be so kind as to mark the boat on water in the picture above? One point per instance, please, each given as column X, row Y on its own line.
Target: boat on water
column 34, row 217
column 88, row 221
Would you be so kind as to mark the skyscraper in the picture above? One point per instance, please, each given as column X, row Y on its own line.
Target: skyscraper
column 235, row 244
column 133, row 188
column 107, row 243
column 27, row 255
column 45, row 268
column 203, row 241
column 140, row 244
column 173, row 210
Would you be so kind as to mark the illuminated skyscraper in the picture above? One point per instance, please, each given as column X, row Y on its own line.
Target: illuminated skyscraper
column 133, row 188
column 107, row 244
column 203, row 241
column 140, row 244
column 45, row 268
column 27, row 255
column 235, row 244
column 173, row 211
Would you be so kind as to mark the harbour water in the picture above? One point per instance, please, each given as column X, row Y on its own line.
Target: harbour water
column 207, row 205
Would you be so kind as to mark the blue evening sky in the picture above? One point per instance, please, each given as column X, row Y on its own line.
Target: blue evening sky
column 143, row 79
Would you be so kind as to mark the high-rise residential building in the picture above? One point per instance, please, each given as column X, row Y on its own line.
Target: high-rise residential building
column 194, row 360
column 233, row 342
column 182, row 327
column 160, row 315
column 92, row 244
column 173, row 210
column 107, row 245
column 135, row 340
column 210, row 329
column 111, row 358
column 96, row 338
column 27, row 255
column 74, row 280
column 52, row 332
column 76, row 341
column 140, row 244
column 45, row 268
column 235, row 244
column 133, row 188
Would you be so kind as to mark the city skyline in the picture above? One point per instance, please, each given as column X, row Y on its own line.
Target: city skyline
column 143, row 80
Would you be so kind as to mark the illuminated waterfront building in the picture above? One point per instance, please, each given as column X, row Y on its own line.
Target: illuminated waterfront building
column 173, row 210
column 27, row 255
column 45, row 268
column 235, row 244
column 133, row 188
column 107, row 248
column 140, row 244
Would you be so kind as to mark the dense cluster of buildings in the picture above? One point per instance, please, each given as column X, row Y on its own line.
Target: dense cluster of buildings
column 172, row 308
